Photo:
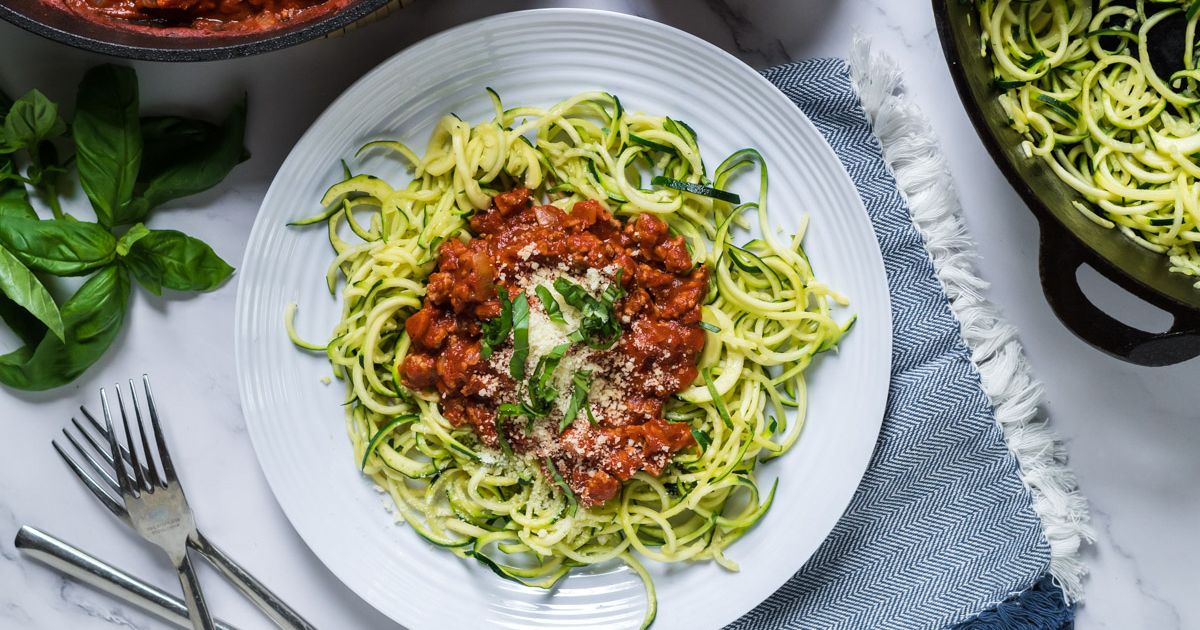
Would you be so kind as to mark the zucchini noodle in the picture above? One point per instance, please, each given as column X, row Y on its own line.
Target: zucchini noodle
column 766, row 316
column 1077, row 81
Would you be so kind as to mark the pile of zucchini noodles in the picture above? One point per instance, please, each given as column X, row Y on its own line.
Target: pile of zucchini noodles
column 767, row 317
column 1077, row 81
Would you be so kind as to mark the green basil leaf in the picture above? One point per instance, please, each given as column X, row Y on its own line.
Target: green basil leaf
column 580, row 383
column 509, row 409
column 550, row 305
column 108, row 139
column 165, row 136
column 184, row 156
column 14, row 199
column 520, row 323
column 45, row 169
column 130, row 237
column 574, row 294
column 15, row 203
column 171, row 259
column 500, row 437
column 60, row 247
column 6, row 104
column 496, row 330
column 93, row 317
column 572, row 502
column 31, row 119
column 27, row 327
column 22, row 287
column 598, row 324
column 541, row 394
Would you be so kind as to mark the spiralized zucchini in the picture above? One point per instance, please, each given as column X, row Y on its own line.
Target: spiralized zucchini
column 767, row 318
column 1078, row 83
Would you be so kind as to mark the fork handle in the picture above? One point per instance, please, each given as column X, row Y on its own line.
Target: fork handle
column 270, row 603
column 193, row 596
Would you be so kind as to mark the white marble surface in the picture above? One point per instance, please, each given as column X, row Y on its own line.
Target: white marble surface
column 1133, row 432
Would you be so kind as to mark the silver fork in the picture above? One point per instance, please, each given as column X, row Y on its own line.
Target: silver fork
column 145, row 481
column 156, row 504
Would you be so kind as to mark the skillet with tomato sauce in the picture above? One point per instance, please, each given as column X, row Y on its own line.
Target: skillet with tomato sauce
column 200, row 17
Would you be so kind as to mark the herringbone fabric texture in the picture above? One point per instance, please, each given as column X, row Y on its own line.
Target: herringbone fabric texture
column 941, row 528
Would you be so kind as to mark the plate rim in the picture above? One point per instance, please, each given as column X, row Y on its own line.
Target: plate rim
column 875, row 262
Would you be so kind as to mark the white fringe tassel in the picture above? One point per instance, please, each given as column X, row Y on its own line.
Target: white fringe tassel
column 911, row 151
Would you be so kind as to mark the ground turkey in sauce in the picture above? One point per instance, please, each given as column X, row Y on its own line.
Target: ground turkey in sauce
column 654, row 358
column 197, row 17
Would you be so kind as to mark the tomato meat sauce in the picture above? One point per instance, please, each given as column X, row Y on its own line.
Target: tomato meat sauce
column 519, row 245
column 196, row 17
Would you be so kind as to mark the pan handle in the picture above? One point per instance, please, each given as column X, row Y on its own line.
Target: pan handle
column 1060, row 259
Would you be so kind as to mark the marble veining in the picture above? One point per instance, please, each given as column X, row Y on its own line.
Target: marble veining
column 747, row 40
column 1167, row 613
column 108, row 612
column 1133, row 433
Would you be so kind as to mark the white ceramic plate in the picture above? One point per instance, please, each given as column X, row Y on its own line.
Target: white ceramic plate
column 538, row 58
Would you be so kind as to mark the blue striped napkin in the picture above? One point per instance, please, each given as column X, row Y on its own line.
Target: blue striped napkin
column 943, row 531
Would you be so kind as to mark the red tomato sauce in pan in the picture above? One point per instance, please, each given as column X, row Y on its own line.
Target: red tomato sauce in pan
column 654, row 358
column 198, row 17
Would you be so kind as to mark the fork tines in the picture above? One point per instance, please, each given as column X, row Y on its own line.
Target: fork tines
column 138, row 473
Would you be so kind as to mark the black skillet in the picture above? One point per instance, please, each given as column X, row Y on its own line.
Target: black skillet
column 1069, row 240
column 54, row 23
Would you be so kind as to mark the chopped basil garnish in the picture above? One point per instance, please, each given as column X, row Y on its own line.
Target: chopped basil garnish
column 613, row 292
column 572, row 502
column 550, row 305
column 496, row 330
column 509, row 409
column 581, row 383
column 541, row 394
column 574, row 294
column 520, row 326
column 500, row 435
column 598, row 323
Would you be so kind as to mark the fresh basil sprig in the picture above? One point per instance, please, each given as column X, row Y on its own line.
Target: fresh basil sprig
column 127, row 165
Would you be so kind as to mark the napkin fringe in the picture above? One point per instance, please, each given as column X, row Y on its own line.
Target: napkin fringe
column 911, row 151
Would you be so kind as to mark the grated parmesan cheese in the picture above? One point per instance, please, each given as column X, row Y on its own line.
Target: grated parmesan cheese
column 611, row 371
column 528, row 250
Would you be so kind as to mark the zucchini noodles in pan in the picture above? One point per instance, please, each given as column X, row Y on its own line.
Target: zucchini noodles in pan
column 1076, row 79
column 603, row 392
